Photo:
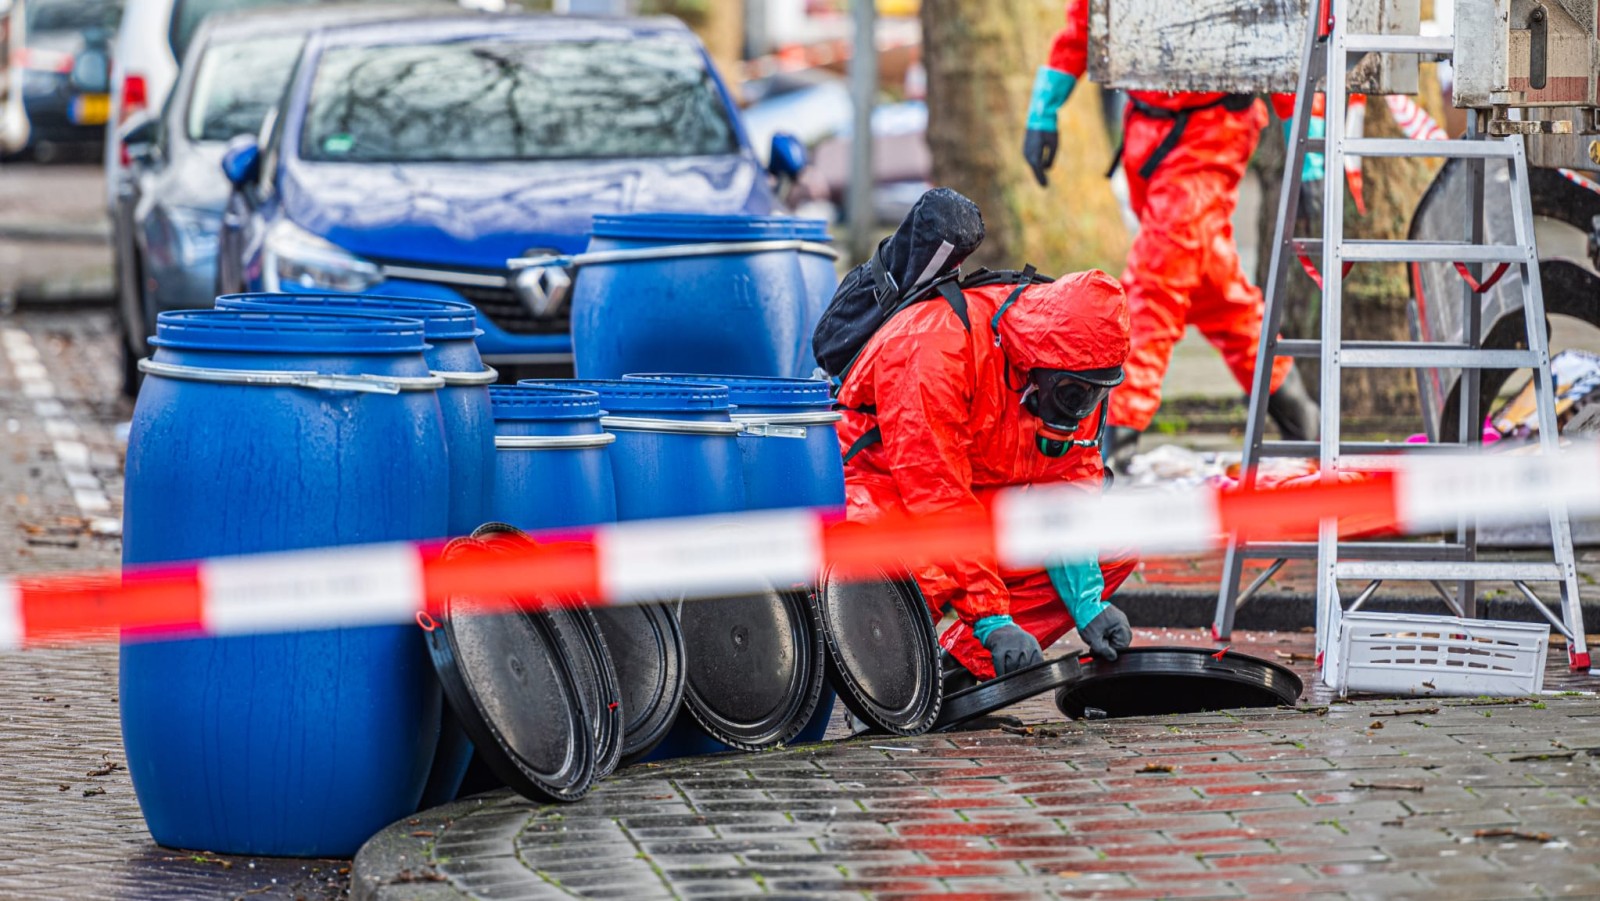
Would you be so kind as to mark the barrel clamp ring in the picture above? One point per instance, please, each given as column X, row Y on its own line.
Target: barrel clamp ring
column 783, row 425
column 552, row 442
column 292, row 378
column 669, row 252
column 487, row 376
column 670, row 426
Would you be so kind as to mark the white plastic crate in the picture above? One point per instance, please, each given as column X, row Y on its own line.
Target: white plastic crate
column 1414, row 654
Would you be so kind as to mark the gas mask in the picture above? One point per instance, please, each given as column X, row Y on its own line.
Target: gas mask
column 1063, row 399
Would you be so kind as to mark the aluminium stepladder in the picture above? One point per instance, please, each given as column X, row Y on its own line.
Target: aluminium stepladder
column 1374, row 562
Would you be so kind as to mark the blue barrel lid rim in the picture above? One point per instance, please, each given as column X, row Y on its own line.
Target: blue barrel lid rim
column 542, row 402
column 753, row 390
column 248, row 331
column 688, row 227
column 443, row 320
column 641, row 395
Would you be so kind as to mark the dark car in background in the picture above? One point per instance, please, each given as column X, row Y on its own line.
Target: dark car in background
column 415, row 158
column 168, row 210
column 65, row 72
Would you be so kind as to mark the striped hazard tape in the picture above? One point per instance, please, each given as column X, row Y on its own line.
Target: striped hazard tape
column 708, row 556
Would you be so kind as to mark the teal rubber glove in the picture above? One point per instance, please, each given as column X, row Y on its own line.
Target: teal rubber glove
column 1051, row 88
column 1314, row 168
column 1080, row 584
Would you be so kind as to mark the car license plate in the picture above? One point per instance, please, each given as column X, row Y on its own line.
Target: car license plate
column 91, row 109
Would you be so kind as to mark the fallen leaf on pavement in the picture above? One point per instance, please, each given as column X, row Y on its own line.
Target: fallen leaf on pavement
column 1514, row 833
column 1155, row 768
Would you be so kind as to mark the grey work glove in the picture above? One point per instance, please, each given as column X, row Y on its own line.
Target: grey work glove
column 1012, row 649
column 1107, row 633
column 1039, row 149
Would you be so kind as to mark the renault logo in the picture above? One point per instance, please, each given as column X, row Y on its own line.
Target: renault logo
column 543, row 290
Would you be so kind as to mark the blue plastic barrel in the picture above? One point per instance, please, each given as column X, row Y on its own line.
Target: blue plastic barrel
column 790, row 454
column 821, row 277
column 267, row 432
column 452, row 354
column 677, row 452
column 552, row 458
column 675, row 291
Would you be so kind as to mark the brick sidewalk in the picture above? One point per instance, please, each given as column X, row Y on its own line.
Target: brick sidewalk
column 1460, row 799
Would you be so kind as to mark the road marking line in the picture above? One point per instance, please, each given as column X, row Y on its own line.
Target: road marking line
column 73, row 458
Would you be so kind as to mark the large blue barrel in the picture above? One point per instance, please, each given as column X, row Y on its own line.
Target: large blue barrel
column 552, row 459
column 790, row 453
column 452, row 354
column 719, row 292
column 790, row 448
column 677, row 452
column 817, row 270
column 267, row 432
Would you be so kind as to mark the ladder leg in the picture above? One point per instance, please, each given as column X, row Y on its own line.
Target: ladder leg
column 1312, row 64
column 1328, row 604
column 1549, row 437
column 1470, row 380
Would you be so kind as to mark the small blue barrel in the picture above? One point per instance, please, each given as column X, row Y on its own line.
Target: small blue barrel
column 552, row 458
column 677, row 452
column 452, row 354
column 817, row 269
column 259, row 431
column 790, row 452
column 676, row 291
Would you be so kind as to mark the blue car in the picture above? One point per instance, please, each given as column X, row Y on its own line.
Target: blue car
column 415, row 158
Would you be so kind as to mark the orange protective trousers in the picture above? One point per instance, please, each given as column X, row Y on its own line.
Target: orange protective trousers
column 1184, row 267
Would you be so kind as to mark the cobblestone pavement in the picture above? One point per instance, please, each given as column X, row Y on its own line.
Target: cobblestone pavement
column 1452, row 799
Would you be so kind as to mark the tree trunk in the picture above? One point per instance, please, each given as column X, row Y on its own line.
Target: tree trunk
column 981, row 56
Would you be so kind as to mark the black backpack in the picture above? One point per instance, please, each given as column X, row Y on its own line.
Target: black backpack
column 925, row 253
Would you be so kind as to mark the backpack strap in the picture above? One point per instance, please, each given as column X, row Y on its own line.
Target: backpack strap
column 1028, row 273
column 868, row 438
column 958, row 302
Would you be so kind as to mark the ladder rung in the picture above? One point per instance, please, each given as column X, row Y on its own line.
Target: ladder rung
column 1448, row 571
column 1309, row 449
column 1297, row 347
column 1400, row 147
column 1311, row 247
column 1427, row 355
column 1441, row 45
column 1354, row 550
column 1430, row 252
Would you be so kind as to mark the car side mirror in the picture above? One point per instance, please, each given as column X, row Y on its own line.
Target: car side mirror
column 788, row 157
column 138, row 137
column 241, row 162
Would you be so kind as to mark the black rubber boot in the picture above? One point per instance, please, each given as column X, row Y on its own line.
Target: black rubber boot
column 1293, row 411
column 1117, row 448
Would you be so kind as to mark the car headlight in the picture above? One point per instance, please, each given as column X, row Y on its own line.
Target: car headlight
column 195, row 234
column 295, row 259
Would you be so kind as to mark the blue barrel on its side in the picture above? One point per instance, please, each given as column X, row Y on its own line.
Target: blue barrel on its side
column 676, row 291
column 677, row 452
column 452, row 354
column 790, row 453
column 818, row 271
column 552, row 458
column 256, row 432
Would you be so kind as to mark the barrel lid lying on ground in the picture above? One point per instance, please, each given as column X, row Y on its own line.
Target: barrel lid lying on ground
column 647, row 648
column 592, row 666
column 513, row 687
column 1149, row 681
column 1003, row 691
column 883, row 655
column 753, row 666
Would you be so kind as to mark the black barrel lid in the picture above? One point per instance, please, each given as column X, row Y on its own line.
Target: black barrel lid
column 1003, row 691
column 883, row 655
column 1149, row 681
column 509, row 682
column 752, row 666
column 590, row 659
column 647, row 649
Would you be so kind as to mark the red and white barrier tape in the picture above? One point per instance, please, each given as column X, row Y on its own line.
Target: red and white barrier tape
column 719, row 555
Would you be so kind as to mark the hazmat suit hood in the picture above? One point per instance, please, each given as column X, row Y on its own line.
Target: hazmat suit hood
column 1077, row 322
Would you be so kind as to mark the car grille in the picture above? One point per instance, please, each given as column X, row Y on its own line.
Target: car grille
column 499, row 303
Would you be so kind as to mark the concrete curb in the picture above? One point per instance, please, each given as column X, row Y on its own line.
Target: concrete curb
column 62, row 233
column 1174, row 608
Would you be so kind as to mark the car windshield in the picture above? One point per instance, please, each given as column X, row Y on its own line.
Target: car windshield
column 188, row 14
column 506, row 100
column 71, row 15
column 235, row 85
